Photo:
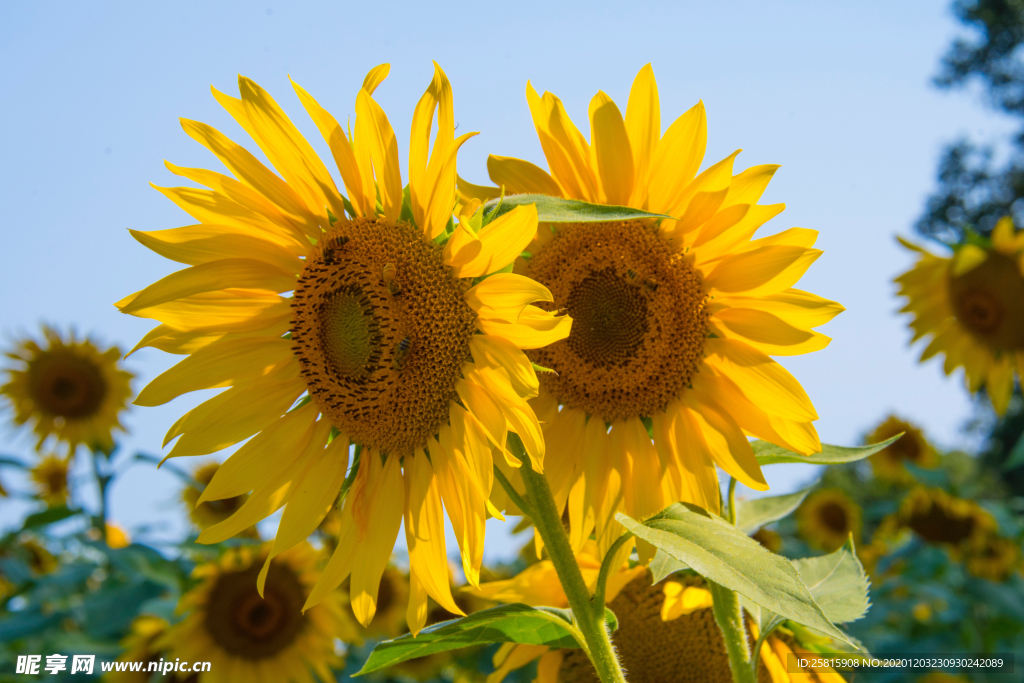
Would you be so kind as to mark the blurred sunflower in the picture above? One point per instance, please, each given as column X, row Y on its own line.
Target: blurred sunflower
column 995, row 559
column 912, row 447
column 392, row 597
column 70, row 389
column 771, row 540
column 211, row 512
column 827, row 518
column 249, row 637
column 940, row 519
column 667, row 632
column 972, row 305
column 674, row 322
column 140, row 646
column 40, row 560
column 50, row 478
column 401, row 336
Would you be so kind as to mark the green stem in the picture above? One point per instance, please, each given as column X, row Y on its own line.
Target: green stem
column 729, row 615
column 102, row 480
column 548, row 522
column 606, row 569
column 732, row 501
column 512, row 493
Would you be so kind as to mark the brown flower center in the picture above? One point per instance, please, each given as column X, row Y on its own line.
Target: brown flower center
column 639, row 322
column 938, row 524
column 989, row 301
column 66, row 385
column 689, row 649
column 381, row 329
column 251, row 627
column 833, row 516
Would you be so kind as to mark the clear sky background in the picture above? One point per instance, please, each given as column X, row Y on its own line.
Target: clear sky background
column 838, row 93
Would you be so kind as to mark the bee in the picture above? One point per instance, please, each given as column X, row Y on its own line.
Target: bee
column 401, row 353
column 333, row 244
column 388, row 275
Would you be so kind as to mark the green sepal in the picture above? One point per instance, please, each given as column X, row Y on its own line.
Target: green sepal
column 541, row 368
column 558, row 210
column 753, row 514
column 770, row 454
column 515, row 623
column 721, row 553
column 838, row 583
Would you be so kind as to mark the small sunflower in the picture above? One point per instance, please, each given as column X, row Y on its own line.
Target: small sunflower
column 50, row 478
column 140, row 646
column 771, row 540
column 211, row 512
column 912, row 447
column 972, row 306
column 40, row 560
column 668, row 368
column 941, row 519
column 249, row 637
column 995, row 559
column 71, row 389
column 667, row 632
column 402, row 337
column 827, row 518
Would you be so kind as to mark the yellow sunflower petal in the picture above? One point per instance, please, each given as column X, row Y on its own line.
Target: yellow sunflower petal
column 610, row 149
column 197, row 244
column 643, row 124
column 375, row 77
column 208, row 277
column 498, row 352
column 504, row 295
column 678, row 157
column 372, row 125
column 767, row 332
column 762, row 380
column 536, row 328
column 765, row 270
column 521, row 177
column 500, row 243
column 382, row 518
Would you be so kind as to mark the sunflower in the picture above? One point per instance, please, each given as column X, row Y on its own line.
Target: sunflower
column 211, row 512
column 249, row 637
column 827, row 518
column 667, row 632
column 938, row 518
column 667, row 368
column 771, row 540
column 995, row 559
column 70, row 389
column 401, row 338
column 972, row 305
column 50, row 477
column 912, row 447
column 140, row 646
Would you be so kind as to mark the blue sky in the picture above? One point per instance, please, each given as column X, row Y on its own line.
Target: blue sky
column 838, row 93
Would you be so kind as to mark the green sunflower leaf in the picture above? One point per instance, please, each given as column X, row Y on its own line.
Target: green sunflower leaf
column 753, row 514
column 770, row 454
column 722, row 553
column 558, row 210
column 515, row 623
column 838, row 583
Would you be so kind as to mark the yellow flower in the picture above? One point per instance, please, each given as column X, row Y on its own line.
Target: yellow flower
column 674, row 323
column 941, row 519
column 50, row 477
column 768, row 538
column 246, row 637
column 827, row 518
column 389, row 619
column 667, row 632
column 401, row 337
column 995, row 559
column 139, row 646
column 972, row 306
column 912, row 447
column 69, row 389
column 211, row 512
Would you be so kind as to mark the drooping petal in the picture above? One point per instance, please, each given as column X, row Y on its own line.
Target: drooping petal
column 520, row 177
column 379, row 521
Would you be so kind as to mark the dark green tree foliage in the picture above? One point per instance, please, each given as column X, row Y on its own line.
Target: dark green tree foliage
column 973, row 191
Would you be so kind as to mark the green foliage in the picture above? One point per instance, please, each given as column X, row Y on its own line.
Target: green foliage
column 770, row 454
column 558, row 210
column 515, row 623
column 753, row 514
column 721, row 553
column 838, row 583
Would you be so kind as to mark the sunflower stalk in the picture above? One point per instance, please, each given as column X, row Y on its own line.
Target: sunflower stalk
column 729, row 616
column 102, row 482
column 591, row 622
